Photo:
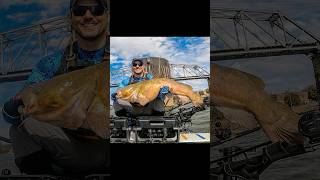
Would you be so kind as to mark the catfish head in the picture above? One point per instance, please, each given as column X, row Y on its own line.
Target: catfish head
column 220, row 124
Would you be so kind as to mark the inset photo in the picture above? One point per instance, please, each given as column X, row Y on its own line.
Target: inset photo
column 159, row 89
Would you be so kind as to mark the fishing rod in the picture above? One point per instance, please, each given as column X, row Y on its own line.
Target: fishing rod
column 241, row 152
column 4, row 139
column 243, row 133
column 248, row 168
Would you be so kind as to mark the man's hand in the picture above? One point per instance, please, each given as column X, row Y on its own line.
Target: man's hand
column 163, row 91
column 12, row 110
column 17, row 97
column 114, row 96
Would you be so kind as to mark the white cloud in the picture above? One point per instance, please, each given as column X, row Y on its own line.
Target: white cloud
column 130, row 47
column 197, row 85
column 50, row 8
column 4, row 4
column 19, row 16
column 53, row 8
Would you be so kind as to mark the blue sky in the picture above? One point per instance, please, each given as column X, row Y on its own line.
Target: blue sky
column 17, row 13
column 177, row 50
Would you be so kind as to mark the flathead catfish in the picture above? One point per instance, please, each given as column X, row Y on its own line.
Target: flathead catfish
column 236, row 89
column 146, row 91
column 73, row 100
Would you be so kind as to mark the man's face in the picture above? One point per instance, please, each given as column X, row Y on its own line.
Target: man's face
column 89, row 25
column 137, row 67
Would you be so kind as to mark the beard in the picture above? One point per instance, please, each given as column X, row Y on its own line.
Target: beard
column 138, row 73
column 90, row 37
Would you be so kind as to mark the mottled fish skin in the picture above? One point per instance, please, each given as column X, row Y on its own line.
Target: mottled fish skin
column 146, row 91
column 73, row 100
column 236, row 89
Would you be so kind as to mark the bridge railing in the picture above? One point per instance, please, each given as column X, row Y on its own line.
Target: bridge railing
column 22, row 48
column 179, row 72
column 245, row 33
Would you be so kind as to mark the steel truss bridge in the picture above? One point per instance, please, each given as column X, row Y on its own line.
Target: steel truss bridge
column 238, row 34
column 179, row 72
column 22, row 48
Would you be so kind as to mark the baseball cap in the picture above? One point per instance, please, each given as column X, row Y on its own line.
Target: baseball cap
column 134, row 60
column 105, row 3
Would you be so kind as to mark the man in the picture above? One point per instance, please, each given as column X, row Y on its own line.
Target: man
column 41, row 148
column 124, row 108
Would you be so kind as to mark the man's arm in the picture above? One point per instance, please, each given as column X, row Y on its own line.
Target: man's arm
column 125, row 82
column 44, row 70
column 149, row 76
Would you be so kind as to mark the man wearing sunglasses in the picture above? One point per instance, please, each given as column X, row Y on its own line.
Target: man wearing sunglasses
column 124, row 108
column 41, row 148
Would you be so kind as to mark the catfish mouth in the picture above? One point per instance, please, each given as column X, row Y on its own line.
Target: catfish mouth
column 220, row 124
column 221, row 132
column 124, row 94
column 119, row 94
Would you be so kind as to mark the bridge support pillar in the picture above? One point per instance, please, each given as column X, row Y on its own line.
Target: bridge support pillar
column 316, row 66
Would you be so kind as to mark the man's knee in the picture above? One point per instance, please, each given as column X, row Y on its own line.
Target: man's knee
column 121, row 112
column 158, row 106
column 42, row 129
column 158, row 113
column 14, row 131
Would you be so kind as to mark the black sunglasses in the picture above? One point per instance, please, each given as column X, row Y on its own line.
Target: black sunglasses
column 97, row 10
column 137, row 64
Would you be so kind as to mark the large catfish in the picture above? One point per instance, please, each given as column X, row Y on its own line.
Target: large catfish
column 73, row 100
column 236, row 89
column 146, row 91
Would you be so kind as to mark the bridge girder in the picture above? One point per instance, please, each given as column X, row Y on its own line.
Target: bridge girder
column 240, row 34
column 179, row 72
column 21, row 48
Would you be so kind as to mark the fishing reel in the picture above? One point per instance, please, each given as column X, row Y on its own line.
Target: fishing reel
column 236, row 164
column 309, row 126
column 252, row 167
column 185, row 114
